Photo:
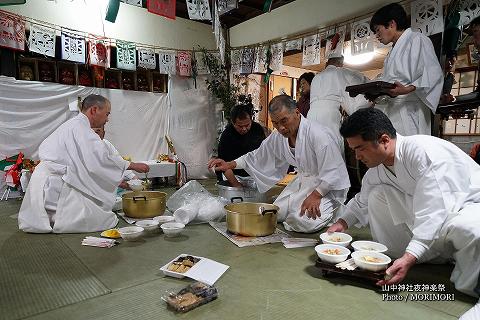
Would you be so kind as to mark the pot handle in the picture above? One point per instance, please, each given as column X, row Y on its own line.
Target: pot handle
column 268, row 211
column 135, row 198
column 236, row 198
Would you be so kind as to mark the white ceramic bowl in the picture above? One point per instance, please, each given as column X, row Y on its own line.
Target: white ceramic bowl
column 131, row 233
column 164, row 219
column 135, row 185
column 338, row 238
column 358, row 257
column 148, row 225
column 329, row 257
column 172, row 229
column 364, row 245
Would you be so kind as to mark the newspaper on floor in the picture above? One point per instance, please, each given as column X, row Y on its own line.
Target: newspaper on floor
column 242, row 241
column 98, row 242
column 299, row 242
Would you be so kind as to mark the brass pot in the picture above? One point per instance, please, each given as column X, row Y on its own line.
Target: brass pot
column 251, row 219
column 144, row 204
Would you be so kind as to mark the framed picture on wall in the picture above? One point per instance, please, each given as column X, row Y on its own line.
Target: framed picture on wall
column 473, row 55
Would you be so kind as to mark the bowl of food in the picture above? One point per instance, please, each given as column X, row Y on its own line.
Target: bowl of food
column 371, row 260
column 148, row 225
column 164, row 219
column 172, row 229
column 135, row 184
column 332, row 253
column 364, row 245
column 131, row 233
column 338, row 238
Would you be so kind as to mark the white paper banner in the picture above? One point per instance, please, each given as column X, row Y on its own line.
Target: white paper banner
column 226, row 5
column 259, row 65
column 73, row 48
column 235, row 61
column 137, row 3
column 126, row 55
column 99, row 53
column 12, row 31
column 167, row 63
column 427, row 16
column 311, row 50
column 184, row 63
column 42, row 40
column 146, row 58
column 362, row 38
column 295, row 44
column 199, row 10
column 469, row 10
column 246, row 60
column 277, row 56
column 200, row 63
column 335, row 39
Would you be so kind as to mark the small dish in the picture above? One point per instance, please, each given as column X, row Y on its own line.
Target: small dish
column 149, row 225
column 164, row 219
column 338, row 238
column 364, row 245
column 131, row 233
column 332, row 253
column 135, row 184
column 172, row 229
column 371, row 260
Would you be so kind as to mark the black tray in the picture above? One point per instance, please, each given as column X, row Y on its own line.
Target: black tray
column 329, row 269
column 464, row 105
column 370, row 89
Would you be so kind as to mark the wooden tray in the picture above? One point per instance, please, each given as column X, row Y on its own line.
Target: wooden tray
column 330, row 270
column 371, row 89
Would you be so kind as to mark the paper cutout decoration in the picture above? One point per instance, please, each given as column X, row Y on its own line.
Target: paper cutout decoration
column 42, row 40
column 295, row 44
column 126, row 55
column 334, row 45
column 235, row 58
column 277, row 56
column 137, row 3
column 99, row 53
column 198, row 10
column 12, row 31
column 469, row 10
column 184, row 63
column 73, row 47
column 246, row 60
column 167, row 62
column 362, row 38
column 165, row 8
column 311, row 50
column 226, row 5
column 260, row 60
column 202, row 68
column 427, row 16
column 146, row 58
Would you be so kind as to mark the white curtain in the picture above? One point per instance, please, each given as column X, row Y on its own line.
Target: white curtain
column 30, row 111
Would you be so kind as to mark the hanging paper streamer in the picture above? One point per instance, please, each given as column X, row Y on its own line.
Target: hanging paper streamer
column 427, row 16
column 42, row 40
column 165, row 8
column 198, row 10
column 469, row 10
column 126, row 55
column 137, row 3
column 311, row 50
column 246, row 60
column 99, row 52
column 291, row 45
column 226, row 5
column 260, row 60
column 362, row 37
column 167, row 63
column 235, row 61
column 335, row 39
column 146, row 58
column 200, row 63
column 184, row 63
column 221, row 47
column 12, row 31
column 277, row 56
column 73, row 47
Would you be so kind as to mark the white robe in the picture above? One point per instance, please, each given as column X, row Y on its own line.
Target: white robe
column 327, row 95
column 72, row 189
column 129, row 174
column 412, row 61
column 428, row 207
column 320, row 167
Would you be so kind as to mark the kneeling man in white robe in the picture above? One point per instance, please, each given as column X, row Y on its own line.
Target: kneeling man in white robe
column 72, row 189
column 308, row 203
column 421, row 198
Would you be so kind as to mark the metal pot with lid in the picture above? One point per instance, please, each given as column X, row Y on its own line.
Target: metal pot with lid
column 144, row 204
column 251, row 219
column 249, row 193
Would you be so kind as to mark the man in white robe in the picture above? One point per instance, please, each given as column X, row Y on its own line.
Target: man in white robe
column 421, row 198
column 307, row 203
column 413, row 67
column 328, row 95
column 72, row 189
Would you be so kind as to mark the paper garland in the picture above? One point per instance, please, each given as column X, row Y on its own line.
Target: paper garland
column 99, row 52
column 198, row 10
column 311, row 50
column 12, row 31
column 276, row 62
column 427, row 16
column 42, row 40
column 362, row 38
column 146, row 58
column 165, row 8
column 167, row 62
column 126, row 55
column 334, row 45
column 73, row 48
column 184, row 63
